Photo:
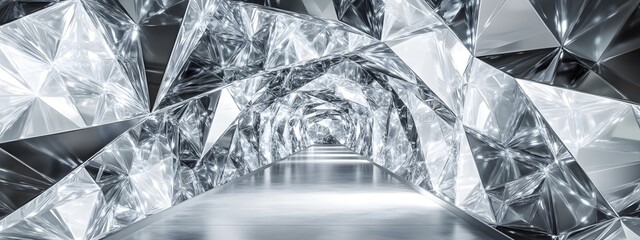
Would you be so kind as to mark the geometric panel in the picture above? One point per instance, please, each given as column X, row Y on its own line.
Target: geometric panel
column 470, row 192
column 442, row 66
column 598, row 23
column 139, row 173
column 403, row 18
column 19, row 183
column 595, row 43
column 461, row 17
column 617, row 61
column 537, row 65
column 365, row 15
column 603, row 135
column 47, row 96
column 11, row 10
column 158, row 23
column 36, row 163
column 318, row 8
column 55, row 155
column 500, row 28
column 220, row 53
column 619, row 228
column 67, row 210
column 525, row 169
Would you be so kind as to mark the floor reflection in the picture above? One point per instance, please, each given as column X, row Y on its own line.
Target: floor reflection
column 325, row 192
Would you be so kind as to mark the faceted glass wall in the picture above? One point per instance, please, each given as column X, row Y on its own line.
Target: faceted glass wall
column 521, row 113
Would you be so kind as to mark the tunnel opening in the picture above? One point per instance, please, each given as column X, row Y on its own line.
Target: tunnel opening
column 247, row 86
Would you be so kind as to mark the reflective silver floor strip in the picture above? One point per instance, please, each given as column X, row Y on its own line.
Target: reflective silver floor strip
column 308, row 197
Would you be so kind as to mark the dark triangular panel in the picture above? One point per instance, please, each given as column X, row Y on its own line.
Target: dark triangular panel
column 159, row 24
column 54, row 156
column 620, row 72
column 317, row 8
column 598, row 23
column 554, row 66
column 626, row 40
column 569, row 71
column 558, row 15
column 19, row 183
column 13, row 9
column 365, row 15
column 594, row 84
column 461, row 16
column 611, row 229
column 618, row 65
column 534, row 65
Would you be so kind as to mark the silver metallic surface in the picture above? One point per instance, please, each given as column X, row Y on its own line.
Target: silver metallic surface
column 58, row 154
column 323, row 192
column 19, row 183
column 158, row 23
column 11, row 10
column 521, row 113
column 32, row 165
column 69, row 66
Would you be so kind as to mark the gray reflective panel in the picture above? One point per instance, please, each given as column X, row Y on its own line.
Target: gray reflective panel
column 19, row 182
column 510, row 26
column 535, row 65
column 559, row 16
column 622, row 228
column 158, row 23
column 595, row 129
column 56, row 155
column 461, row 16
column 597, row 41
column 590, row 36
column 617, row 61
column 365, row 15
column 626, row 39
column 317, row 8
column 441, row 67
column 30, row 166
column 11, row 10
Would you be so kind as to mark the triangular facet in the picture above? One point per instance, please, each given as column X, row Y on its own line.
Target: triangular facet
column 503, row 32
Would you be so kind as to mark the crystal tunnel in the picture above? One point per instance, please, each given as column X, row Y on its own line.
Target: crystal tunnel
column 522, row 114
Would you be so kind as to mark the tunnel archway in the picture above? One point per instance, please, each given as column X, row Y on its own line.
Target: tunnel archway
column 406, row 84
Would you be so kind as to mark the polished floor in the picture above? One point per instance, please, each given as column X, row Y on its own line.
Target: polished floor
column 325, row 192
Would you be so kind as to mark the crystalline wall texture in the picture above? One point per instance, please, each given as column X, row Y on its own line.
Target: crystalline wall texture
column 521, row 113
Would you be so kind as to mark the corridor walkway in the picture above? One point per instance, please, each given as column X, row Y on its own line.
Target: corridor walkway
column 323, row 193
